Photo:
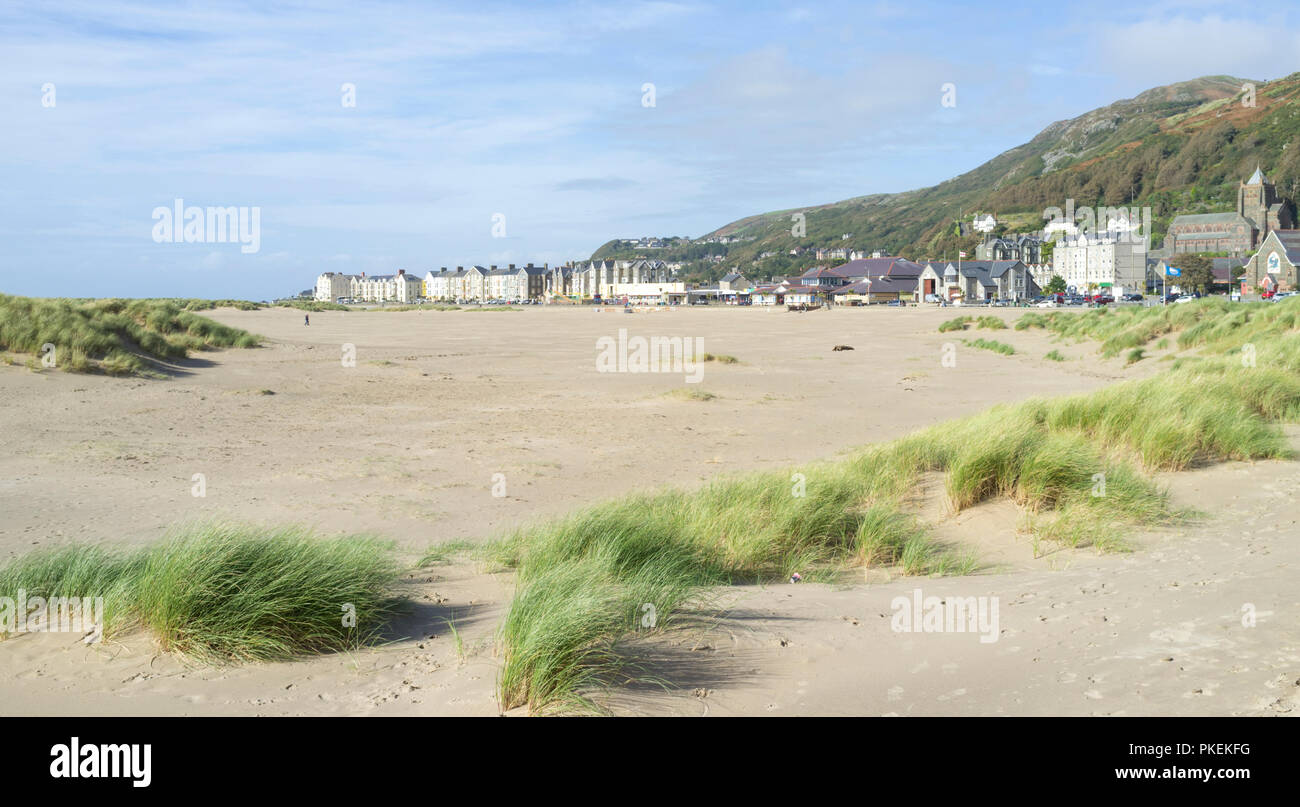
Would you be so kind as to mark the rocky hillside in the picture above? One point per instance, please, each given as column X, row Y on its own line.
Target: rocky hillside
column 1179, row 149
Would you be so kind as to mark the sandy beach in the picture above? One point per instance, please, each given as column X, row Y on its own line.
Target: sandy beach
column 460, row 425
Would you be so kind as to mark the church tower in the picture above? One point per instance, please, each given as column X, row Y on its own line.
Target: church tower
column 1259, row 203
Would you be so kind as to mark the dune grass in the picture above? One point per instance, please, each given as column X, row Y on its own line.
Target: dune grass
column 990, row 344
column 1213, row 323
column 587, row 581
column 1054, row 355
column 963, row 322
column 117, row 337
column 1077, row 466
column 193, row 304
column 227, row 593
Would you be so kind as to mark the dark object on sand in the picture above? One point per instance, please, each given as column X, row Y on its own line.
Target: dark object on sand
column 842, row 347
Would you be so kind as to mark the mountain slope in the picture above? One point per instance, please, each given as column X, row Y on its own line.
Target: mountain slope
column 1179, row 149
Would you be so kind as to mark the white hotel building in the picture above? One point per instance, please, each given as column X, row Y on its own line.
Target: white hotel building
column 400, row 287
column 1092, row 261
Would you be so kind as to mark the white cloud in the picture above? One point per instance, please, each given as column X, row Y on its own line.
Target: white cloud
column 1177, row 48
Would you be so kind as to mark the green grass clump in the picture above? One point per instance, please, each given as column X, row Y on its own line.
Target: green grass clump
column 955, row 324
column 227, row 593
column 1135, row 355
column 118, row 337
column 991, row 322
column 584, row 580
column 1031, row 319
column 561, row 629
column 991, row 344
column 1054, row 355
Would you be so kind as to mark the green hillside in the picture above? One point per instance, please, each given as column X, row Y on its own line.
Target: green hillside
column 1178, row 149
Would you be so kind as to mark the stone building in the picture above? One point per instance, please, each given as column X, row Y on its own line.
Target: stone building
column 1260, row 210
column 1025, row 248
column 1274, row 266
column 1111, row 261
column 333, row 286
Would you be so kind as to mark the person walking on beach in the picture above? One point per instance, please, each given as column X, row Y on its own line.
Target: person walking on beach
column 306, row 319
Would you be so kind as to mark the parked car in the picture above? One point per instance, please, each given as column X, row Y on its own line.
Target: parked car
column 1132, row 298
column 1102, row 299
column 1048, row 303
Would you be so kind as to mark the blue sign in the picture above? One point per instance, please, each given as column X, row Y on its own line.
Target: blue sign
column 1173, row 271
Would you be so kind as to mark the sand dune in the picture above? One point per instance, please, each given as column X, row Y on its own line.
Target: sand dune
column 407, row 444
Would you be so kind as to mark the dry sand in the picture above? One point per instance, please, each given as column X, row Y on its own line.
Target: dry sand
column 406, row 445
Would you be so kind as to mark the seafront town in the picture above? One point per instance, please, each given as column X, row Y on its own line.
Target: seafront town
column 1254, row 251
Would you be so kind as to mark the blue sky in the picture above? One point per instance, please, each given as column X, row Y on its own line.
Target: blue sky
column 530, row 110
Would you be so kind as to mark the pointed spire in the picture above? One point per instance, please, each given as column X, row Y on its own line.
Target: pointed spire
column 1257, row 178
